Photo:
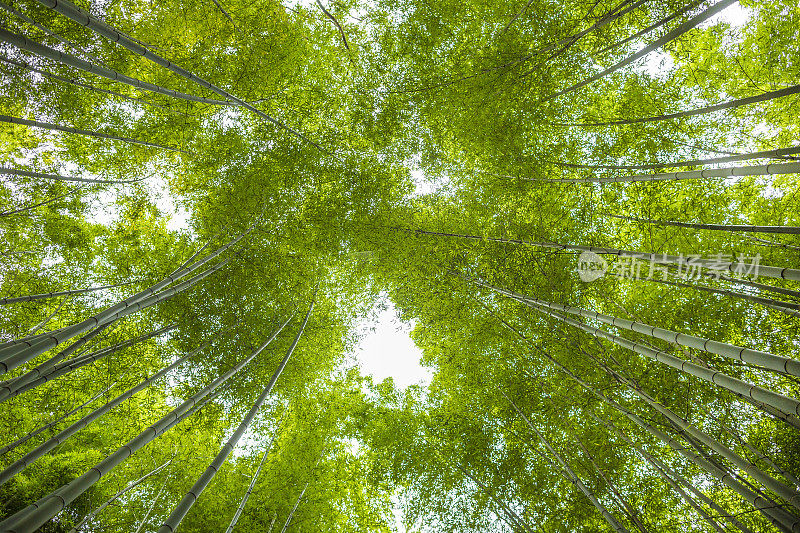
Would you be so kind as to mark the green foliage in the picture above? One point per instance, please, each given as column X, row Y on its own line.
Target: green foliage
column 383, row 97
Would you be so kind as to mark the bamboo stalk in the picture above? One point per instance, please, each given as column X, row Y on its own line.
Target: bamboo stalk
column 658, row 43
column 23, row 43
column 88, row 133
column 71, row 11
column 176, row 516
column 715, row 227
column 63, row 435
column 35, row 515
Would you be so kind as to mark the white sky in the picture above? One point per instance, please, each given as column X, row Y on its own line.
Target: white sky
column 388, row 351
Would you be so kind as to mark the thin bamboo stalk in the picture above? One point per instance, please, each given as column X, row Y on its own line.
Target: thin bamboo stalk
column 715, row 227
column 789, row 308
column 46, row 31
column 71, row 11
column 31, row 297
column 246, row 496
column 176, row 516
column 765, row 154
column 573, row 477
column 777, row 401
column 31, row 207
column 775, row 514
column 22, row 440
column 773, row 169
column 632, row 513
column 88, row 133
column 291, row 514
column 23, row 43
column 38, row 452
column 129, row 486
column 37, row 514
column 663, row 259
column 658, row 43
column 49, row 317
column 57, row 177
column 651, row 27
column 730, row 104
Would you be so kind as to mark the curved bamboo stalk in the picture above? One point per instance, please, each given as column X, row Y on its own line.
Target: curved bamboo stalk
column 40, row 204
column 658, row 43
column 615, row 525
column 88, row 133
column 57, row 177
column 7, row 448
column 759, row 286
column 773, row 169
column 716, row 227
column 663, row 259
column 765, row 154
column 38, row 452
column 49, row 370
column 562, row 45
column 623, row 410
column 246, row 496
column 785, row 365
column 35, row 515
column 789, row 308
column 23, row 43
column 73, row 12
column 730, row 104
column 31, row 297
column 622, row 9
column 174, row 519
column 335, row 23
column 129, row 486
column 787, row 493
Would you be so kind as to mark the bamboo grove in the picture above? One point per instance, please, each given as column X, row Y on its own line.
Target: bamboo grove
column 589, row 210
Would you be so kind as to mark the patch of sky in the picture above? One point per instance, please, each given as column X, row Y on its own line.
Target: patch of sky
column 386, row 350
